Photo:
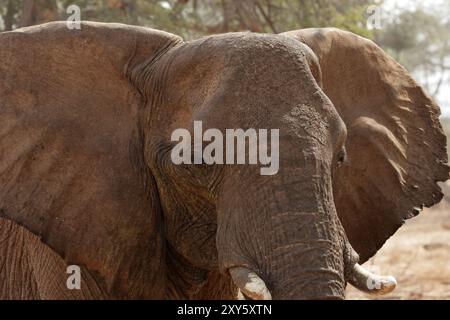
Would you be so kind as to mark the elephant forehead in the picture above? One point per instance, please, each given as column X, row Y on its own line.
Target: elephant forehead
column 238, row 79
column 247, row 54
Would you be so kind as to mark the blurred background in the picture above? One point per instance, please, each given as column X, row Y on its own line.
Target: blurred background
column 415, row 32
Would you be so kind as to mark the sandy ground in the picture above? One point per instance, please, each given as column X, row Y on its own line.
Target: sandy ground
column 418, row 255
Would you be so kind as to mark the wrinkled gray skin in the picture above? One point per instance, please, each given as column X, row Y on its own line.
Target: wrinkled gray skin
column 102, row 191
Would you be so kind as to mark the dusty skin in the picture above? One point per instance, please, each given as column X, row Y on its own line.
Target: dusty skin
column 86, row 176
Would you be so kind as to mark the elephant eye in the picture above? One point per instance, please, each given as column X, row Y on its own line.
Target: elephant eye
column 342, row 156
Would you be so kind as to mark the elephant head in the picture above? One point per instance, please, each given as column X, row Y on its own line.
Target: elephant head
column 86, row 123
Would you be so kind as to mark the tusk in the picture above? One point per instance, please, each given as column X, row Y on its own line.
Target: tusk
column 370, row 283
column 250, row 284
column 240, row 296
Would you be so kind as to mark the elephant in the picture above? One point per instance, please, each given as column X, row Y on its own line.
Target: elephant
column 86, row 176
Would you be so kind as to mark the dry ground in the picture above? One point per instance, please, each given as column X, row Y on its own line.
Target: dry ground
column 418, row 255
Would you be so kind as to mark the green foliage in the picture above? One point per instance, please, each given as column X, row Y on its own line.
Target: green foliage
column 8, row 13
column 419, row 38
column 193, row 18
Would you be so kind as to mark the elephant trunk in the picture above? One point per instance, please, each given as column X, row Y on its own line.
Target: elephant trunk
column 280, row 237
column 281, row 234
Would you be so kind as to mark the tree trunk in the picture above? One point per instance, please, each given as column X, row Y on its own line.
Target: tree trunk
column 37, row 11
column 8, row 19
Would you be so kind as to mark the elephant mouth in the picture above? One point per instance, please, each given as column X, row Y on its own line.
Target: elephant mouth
column 251, row 286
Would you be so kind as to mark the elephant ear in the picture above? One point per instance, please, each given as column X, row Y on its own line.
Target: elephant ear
column 72, row 169
column 396, row 149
